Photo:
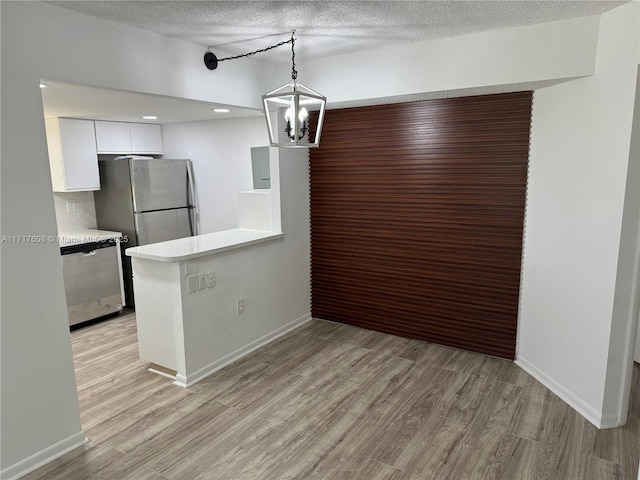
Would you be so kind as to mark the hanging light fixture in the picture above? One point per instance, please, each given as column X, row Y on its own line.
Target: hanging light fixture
column 288, row 105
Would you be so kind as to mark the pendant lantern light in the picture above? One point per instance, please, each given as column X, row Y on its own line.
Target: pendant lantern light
column 288, row 105
column 291, row 104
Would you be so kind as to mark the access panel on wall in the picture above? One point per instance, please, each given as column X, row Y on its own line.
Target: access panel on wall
column 416, row 219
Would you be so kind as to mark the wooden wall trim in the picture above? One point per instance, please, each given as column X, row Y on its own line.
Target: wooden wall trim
column 417, row 213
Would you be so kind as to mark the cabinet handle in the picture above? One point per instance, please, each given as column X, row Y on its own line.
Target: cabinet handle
column 88, row 254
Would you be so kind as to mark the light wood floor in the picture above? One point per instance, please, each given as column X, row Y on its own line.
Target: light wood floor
column 332, row 402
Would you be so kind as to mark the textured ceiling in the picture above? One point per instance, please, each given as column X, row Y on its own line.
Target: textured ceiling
column 326, row 28
column 323, row 28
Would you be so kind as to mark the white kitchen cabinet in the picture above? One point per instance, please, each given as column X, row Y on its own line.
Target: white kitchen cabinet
column 121, row 138
column 146, row 138
column 113, row 137
column 73, row 157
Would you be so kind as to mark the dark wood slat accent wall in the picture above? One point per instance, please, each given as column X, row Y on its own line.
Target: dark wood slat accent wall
column 416, row 219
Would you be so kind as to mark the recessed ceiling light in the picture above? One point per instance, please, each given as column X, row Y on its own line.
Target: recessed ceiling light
column 221, row 110
column 43, row 85
column 150, row 117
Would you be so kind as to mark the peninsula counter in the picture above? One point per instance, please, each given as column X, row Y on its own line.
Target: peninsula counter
column 205, row 301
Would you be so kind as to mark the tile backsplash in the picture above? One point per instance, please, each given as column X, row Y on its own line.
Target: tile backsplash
column 84, row 215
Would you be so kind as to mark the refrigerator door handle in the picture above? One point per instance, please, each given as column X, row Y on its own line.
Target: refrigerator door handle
column 133, row 187
column 193, row 199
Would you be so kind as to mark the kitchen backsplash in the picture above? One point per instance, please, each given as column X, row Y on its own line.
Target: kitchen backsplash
column 74, row 211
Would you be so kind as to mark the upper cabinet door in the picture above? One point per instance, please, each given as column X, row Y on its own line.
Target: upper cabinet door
column 113, row 137
column 72, row 154
column 146, row 138
column 121, row 137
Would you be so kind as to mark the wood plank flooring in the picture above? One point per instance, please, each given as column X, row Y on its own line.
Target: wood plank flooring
column 332, row 402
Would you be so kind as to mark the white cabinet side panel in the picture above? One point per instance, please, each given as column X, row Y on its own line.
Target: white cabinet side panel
column 157, row 292
column 54, row 147
column 79, row 153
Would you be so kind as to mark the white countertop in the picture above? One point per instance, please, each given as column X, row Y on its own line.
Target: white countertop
column 201, row 245
column 86, row 235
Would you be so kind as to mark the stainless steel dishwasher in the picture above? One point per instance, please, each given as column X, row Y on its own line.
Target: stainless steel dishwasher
column 92, row 280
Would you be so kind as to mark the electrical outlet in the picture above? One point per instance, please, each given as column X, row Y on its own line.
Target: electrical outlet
column 240, row 306
column 211, row 279
column 71, row 205
column 202, row 281
column 192, row 283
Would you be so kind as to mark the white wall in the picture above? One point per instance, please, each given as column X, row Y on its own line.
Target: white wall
column 551, row 51
column 626, row 301
column 633, row 185
column 39, row 410
column 67, row 46
column 580, row 140
column 271, row 277
column 38, row 401
column 636, row 356
column 221, row 155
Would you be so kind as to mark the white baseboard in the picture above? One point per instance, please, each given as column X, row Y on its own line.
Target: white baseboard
column 599, row 419
column 198, row 375
column 43, row 457
column 610, row 420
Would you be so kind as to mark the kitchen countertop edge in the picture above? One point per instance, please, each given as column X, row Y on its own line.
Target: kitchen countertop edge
column 85, row 235
column 202, row 245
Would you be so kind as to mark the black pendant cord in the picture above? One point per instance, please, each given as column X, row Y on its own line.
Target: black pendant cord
column 211, row 61
column 294, row 72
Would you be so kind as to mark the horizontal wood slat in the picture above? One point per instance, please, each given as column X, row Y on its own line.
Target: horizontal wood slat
column 416, row 219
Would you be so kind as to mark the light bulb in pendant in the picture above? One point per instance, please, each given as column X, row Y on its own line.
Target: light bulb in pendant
column 303, row 123
column 287, row 129
column 303, row 117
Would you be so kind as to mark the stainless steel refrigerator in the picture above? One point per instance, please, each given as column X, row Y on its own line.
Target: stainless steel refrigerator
column 149, row 200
